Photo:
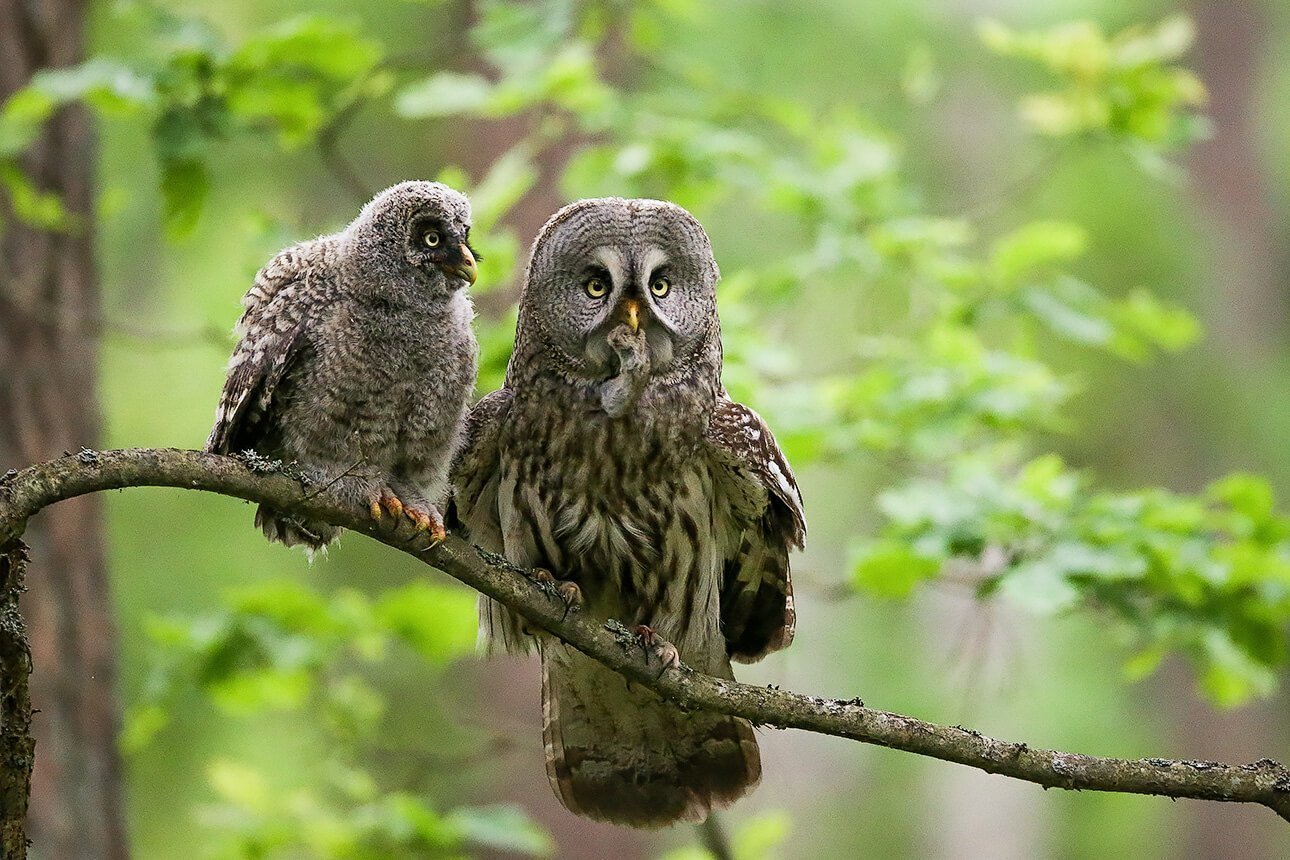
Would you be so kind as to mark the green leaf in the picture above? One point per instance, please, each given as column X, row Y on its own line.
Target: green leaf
column 333, row 50
column 508, row 180
column 184, row 186
column 1034, row 246
column 1068, row 320
column 759, row 837
column 1247, row 494
column 1168, row 40
column 438, row 622
column 32, row 206
column 503, row 827
column 142, row 724
column 444, row 94
column 920, row 80
column 1231, row 677
column 892, row 569
column 239, row 784
column 272, row 689
column 1141, row 317
column 1040, row 586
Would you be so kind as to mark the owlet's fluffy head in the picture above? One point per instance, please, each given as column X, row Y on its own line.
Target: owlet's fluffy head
column 413, row 237
column 620, row 292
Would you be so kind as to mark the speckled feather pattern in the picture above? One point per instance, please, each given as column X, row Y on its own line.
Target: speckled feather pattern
column 356, row 358
column 678, row 513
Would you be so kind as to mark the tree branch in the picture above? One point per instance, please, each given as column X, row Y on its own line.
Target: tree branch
column 24, row 493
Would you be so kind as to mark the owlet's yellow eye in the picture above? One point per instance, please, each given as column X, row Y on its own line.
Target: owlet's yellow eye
column 595, row 288
column 660, row 287
column 431, row 238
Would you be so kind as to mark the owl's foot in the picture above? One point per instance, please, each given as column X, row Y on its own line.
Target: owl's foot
column 565, row 589
column 656, row 645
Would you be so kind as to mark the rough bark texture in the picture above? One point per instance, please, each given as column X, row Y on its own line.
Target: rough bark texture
column 24, row 493
column 48, row 404
column 16, row 744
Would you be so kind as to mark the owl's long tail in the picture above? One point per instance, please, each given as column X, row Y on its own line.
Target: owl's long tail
column 291, row 531
column 618, row 753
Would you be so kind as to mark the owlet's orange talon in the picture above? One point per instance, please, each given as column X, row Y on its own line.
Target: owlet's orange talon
column 426, row 519
column 391, row 503
column 420, row 519
column 385, row 502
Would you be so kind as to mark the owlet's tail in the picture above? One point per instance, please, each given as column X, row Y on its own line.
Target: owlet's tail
column 618, row 753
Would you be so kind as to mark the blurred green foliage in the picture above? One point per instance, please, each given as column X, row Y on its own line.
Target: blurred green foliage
column 954, row 389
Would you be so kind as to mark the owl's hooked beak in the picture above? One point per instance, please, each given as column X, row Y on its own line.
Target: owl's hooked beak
column 632, row 313
column 465, row 267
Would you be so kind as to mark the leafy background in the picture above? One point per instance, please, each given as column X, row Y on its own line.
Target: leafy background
column 1008, row 281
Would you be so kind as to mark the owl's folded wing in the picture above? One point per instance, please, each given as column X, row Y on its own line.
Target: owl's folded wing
column 475, row 465
column 757, row 614
column 476, row 473
column 271, row 331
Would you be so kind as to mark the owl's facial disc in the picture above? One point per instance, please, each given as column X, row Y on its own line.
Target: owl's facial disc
column 625, row 293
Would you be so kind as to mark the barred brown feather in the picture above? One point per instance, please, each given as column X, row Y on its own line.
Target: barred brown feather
column 614, row 459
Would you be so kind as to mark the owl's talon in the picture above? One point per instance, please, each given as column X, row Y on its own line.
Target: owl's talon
column 565, row 589
column 659, row 647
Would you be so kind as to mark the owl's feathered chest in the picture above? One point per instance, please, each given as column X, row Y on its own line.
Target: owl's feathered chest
column 560, row 439
column 627, row 507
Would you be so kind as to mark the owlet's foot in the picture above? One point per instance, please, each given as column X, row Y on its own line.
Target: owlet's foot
column 388, row 508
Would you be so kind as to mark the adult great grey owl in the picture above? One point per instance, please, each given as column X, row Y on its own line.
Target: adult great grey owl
column 357, row 360
column 614, row 459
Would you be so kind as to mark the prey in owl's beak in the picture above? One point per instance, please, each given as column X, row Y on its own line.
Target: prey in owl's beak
column 619, row 393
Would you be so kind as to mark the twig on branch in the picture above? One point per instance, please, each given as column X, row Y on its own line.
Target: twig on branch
column 24, row 493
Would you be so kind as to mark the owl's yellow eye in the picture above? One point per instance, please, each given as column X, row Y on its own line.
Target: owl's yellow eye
column 431, row 238
column 595, row 288
column 660, row 287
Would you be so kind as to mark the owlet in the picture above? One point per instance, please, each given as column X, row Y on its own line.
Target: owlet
column 357, row 360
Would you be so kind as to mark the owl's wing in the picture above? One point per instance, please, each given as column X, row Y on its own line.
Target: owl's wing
column 271, row 328
column 475, row 468
column 476, row 475
column 757, row 614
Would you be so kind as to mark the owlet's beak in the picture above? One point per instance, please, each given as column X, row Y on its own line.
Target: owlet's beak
column 465, row 267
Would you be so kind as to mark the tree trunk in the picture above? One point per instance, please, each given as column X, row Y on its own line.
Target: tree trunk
column 1250, row 304
column 48, row 405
